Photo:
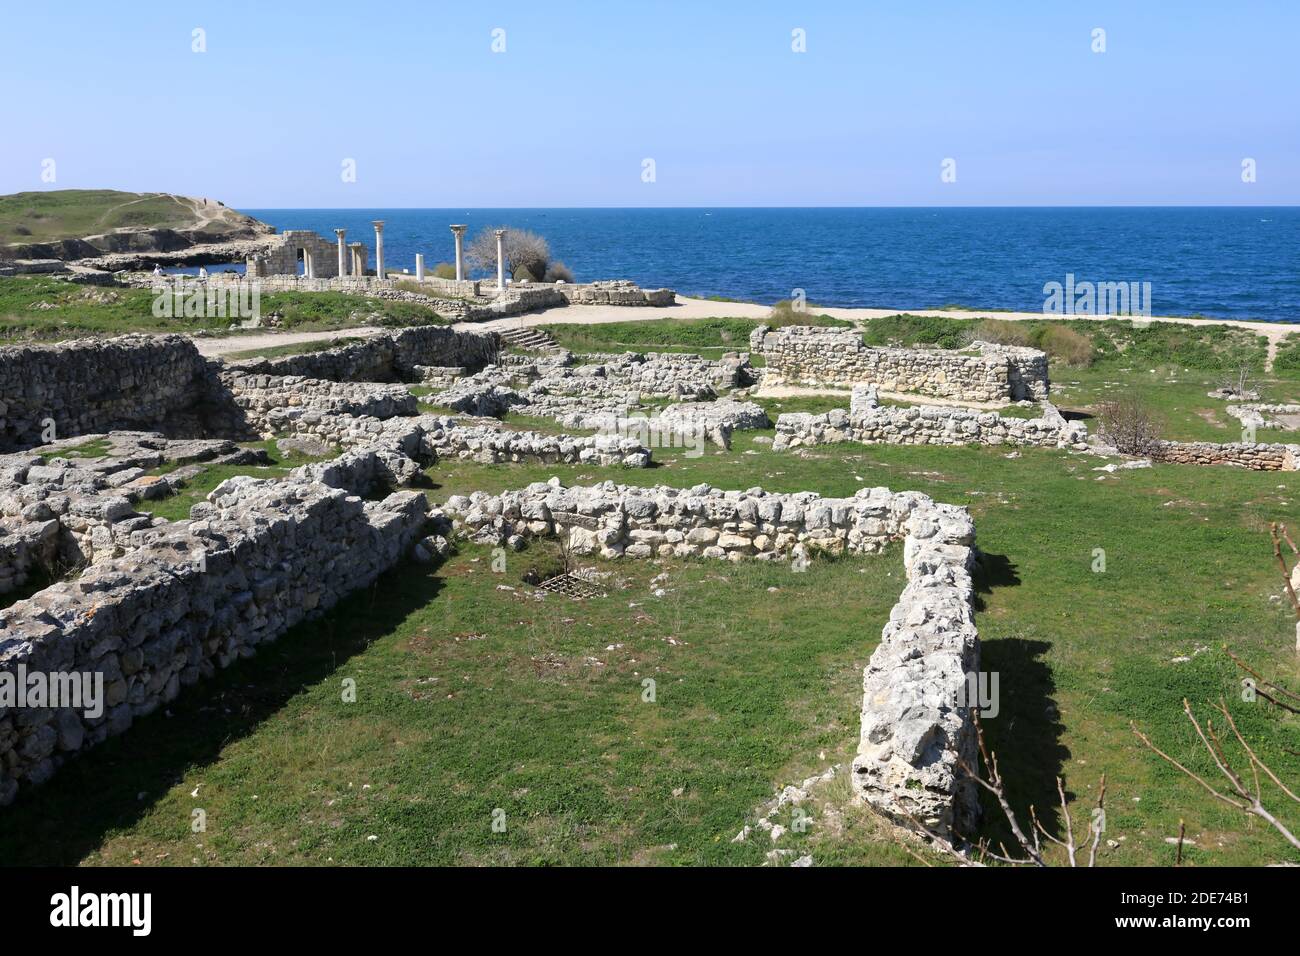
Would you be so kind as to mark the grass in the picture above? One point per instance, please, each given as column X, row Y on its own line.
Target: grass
column 473, row 696
column 75, row 213
column 298, row 348
column 41, row 308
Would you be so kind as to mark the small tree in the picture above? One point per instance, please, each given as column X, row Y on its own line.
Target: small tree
column 523, row 249
column 1129, row 425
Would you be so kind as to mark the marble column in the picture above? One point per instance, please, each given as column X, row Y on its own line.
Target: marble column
column 308, row 268
column 459, row 232
column 419, row 267
column 501, row 261
column 343, row 249
column 379, row 248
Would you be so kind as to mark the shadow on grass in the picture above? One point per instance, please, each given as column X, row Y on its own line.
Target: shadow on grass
column 992, row 571
column 114, row 785
column 1025, row 735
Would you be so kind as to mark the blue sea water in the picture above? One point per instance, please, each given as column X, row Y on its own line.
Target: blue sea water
column 1226, row 262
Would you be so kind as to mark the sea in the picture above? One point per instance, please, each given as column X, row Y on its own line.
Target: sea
column 1240, row 262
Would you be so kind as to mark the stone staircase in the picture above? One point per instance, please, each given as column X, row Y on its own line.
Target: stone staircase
column 534, row 340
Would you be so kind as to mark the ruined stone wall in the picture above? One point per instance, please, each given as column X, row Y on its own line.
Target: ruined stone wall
column 281, row 257
column 927, row 425
column 837, row 358
column 393, row 356
column 271, row 402
column 258, row 558
column 427, row 437
column 1255, row 456
column 92, row 385
column 915, row 726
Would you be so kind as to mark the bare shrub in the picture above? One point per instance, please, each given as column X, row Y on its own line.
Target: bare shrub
column 1004, row 332
column 444, row 270
column 1129, row 424
column 1071, row 347
column 558, row 272
column 523, row 250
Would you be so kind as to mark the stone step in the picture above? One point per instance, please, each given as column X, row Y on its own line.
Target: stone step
column 534, row 339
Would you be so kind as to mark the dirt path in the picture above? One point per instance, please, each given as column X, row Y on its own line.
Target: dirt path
column 212, row 347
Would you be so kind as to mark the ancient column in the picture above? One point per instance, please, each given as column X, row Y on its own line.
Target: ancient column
column 343, row 262
column 358, row 263
column 419, row 267
column 379, row 248
column 459, row 232
column 501, row 261
column 308, row 269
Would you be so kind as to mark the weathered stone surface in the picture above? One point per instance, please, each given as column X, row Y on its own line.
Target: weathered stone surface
column 837, row 357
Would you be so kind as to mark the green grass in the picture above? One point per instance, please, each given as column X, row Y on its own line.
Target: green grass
column 298, row 348
column 41, row 308
column 75, row 213
column 473, row 696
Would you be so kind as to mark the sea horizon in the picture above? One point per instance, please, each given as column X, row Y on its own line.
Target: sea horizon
column 1223, row 262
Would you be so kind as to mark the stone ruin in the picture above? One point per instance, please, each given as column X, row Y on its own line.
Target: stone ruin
column 868, row 422
column 821, row 357
column 917, row 727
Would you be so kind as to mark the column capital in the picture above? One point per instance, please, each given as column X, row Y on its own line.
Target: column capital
column 499, row 232
column 459, row 229
column 339, row 232
column 378, row 224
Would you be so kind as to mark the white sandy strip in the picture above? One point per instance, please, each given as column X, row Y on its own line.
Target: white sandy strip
column 688, row 308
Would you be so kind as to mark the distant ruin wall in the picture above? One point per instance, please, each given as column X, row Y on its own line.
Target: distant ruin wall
column 389, row 357
column 261, row 557
column 927, row 425
column 1254, row 456
column 837, row 358
column 91, row 385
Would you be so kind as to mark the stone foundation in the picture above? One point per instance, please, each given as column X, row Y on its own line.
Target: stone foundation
column 915, row 726
column 1255, row 456
column 869, row 424
column 261, row 557
column 391, row 357
column 837, row 358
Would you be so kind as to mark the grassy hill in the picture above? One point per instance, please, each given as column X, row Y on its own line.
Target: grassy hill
column 50, row 216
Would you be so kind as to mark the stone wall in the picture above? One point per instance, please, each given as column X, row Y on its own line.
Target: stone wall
column 280, row 256
column 837, row 358
column 869, row 423
column 92, row 385
column 393, row 356
column 258, row 558
column 1255, row 456
column 915, row 726
column 270, row 403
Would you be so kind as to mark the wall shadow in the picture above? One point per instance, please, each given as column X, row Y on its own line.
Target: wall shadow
column 1025, row 735
column 114, row 785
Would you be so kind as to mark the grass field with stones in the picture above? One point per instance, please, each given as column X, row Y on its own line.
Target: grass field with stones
column 477, row 700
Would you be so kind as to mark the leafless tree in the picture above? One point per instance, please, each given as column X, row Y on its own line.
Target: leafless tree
column 1128, row 424
column 525, row 252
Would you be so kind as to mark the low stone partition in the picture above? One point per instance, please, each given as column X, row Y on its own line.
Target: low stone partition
column 426, row 438
column 915, row 725
column 614, row 292
column 93, row 385
column 823, row 357
column 684, row 424
column 1261, row 414
column 270, row 402
column 259, row 557
column 389, row 357
column 1259, row 456
column 927, row 425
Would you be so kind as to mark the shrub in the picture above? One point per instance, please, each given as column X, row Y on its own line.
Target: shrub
column 1129, row 424
column 906, row 329
column 784, row 313
column 444, row 270
column 521, row 274
column 559, row 272
column 1071, row 347
column 1004, row 332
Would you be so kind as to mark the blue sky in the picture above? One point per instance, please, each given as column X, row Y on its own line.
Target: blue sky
column 586, row 91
